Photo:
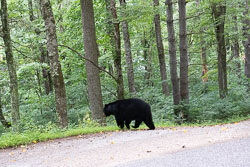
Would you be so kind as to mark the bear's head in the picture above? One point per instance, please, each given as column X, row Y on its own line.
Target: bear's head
column 109, row 109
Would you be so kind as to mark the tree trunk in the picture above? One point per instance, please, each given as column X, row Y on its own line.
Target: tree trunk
column 203, row 56
column 117, row 55
column 39, row 83
column 204, row 73
column 219, row 11
column 204, row 61
column 48, row 85
column 57, row 75
column 147, row 54
column 172, row 54
column 236, row 48
column 11, row 66
column 150, row 66
column 31, row 13
column 246, row 41
column 92, row 53
column 184, row 90
column 160, row 50
column 110, row 32
column 44, row 56
column 126, row 38
column 2, row 119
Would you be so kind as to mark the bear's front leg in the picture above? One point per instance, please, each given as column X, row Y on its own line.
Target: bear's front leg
column 119, row 122
column 137, row 123
column 127, row 123
column 122, row 124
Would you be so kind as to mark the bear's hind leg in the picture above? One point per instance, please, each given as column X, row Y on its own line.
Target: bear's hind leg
column 150, row 124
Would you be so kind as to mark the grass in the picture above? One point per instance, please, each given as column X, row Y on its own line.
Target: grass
column 11, row 139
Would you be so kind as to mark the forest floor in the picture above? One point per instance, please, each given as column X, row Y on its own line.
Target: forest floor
column 117, row 148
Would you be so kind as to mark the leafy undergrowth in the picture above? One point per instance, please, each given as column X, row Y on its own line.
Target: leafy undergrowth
column 11, row 139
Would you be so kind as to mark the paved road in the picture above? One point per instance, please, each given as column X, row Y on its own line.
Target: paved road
column 234, row 153
column 221, row 145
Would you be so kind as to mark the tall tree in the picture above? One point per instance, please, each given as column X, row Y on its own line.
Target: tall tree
column 43, row 59
column 219, row 11
column 11, row 66
column 92, row 53
column 57, row 75
column 203, row 54
column 2, row 119
column 116, row 41
column 236, row 47
column 48, row 84
column 246, row 41
column 172, row 54
column 147, row 54
column 184, row 90
column 204, row 62
column 126, row 38
column 160, row 49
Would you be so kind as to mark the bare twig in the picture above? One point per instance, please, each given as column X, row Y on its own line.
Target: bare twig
column 25, row 56
column 109, row 91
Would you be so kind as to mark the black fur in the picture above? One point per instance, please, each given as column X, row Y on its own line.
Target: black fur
column 128, row 110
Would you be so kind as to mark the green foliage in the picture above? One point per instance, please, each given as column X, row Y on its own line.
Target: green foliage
column 209, row 107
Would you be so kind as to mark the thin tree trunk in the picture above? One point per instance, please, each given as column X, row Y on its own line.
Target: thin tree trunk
column 147, row 54
column 172, row 54
column 126, row 38
column 203, row 56
column 39, row 92
column 92, row 53
column 150, row 66
column 204, row 61
column 246, row 40
column 110, row 32
column 11, row 66
column 52, row 45
column 31, row 13
column 160, row 49
column 117, row 56
column 39, row 82
column 2, row 119
column 48, row 85
column 184, row 90
column 236, row 48
column 204, row 72
column 44, row 56
column 219, row 11
column 145, row 46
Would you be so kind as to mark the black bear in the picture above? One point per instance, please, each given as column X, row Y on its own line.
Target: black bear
column 128, row 110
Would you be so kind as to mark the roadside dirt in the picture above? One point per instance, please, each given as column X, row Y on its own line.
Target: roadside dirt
column 115, row 148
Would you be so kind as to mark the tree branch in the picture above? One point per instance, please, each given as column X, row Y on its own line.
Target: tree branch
column 79, row 54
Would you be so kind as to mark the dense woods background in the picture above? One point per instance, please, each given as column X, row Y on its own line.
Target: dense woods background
column 61, row 60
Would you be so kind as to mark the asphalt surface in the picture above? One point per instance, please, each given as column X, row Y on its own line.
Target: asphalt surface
column 209, row 146
column 234, row 153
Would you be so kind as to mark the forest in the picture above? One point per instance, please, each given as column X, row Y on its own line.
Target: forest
column 62, row 60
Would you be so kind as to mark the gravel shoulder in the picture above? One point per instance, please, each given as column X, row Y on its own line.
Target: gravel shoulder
column 114, row 148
